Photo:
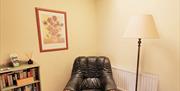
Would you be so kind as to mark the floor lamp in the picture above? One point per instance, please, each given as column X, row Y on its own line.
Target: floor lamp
column 140, row 27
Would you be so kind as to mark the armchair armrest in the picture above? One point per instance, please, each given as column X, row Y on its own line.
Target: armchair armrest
column 73, row 83
column 109, row 84
column 107, row 78
column 76, row 78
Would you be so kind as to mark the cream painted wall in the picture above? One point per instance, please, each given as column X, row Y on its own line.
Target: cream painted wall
column 19, row 35
column 0, row 29
column 159, row 56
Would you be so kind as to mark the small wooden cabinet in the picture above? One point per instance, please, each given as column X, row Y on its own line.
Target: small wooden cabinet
column 23, row 78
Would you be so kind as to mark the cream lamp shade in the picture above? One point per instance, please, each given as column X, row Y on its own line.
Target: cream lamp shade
column 141, row 26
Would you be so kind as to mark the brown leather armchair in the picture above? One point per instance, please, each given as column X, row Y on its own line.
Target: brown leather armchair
column 91, row 74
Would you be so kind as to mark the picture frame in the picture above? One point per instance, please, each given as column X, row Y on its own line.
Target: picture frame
column 52, row 29
column 14, row 59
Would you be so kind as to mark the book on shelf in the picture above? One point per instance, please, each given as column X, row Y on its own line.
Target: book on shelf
column 32, row 87
column 21, row 76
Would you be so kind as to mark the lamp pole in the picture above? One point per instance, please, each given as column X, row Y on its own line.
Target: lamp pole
column 137, row 69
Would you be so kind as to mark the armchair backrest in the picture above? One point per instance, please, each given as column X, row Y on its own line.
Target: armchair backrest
column 91, row 67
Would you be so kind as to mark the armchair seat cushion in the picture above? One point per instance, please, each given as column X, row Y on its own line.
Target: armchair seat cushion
column 92, row 90
column 91, row 83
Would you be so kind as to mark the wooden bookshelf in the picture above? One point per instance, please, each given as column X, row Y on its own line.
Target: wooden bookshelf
column 26, row 77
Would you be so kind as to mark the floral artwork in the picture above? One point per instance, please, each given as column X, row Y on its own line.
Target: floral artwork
column 52, row 29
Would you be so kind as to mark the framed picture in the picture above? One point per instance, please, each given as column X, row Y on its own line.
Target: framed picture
column 14, row 59
column 52, row 30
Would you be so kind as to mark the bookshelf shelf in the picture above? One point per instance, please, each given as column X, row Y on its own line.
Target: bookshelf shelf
column 13, row 87
column 23, row 66
column 23, row 78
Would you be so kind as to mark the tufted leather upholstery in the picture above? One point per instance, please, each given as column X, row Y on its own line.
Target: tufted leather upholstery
column 91, row 74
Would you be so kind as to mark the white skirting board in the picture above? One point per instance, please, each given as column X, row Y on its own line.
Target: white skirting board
column 125, row 80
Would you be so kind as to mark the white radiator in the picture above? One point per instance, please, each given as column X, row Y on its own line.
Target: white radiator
column 126, row 80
